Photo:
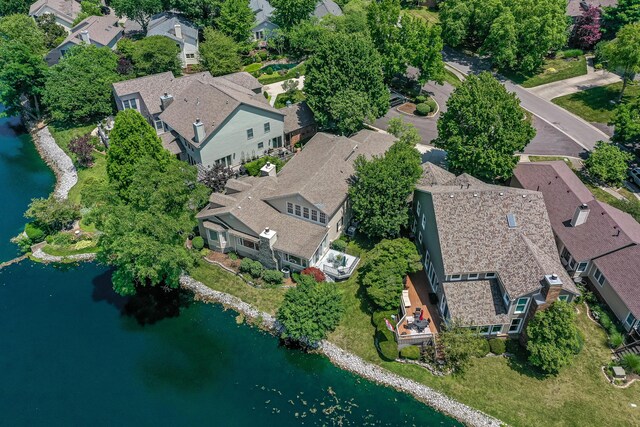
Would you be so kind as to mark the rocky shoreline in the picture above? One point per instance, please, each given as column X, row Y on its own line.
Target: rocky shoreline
column 348, row 361
column 57, row 159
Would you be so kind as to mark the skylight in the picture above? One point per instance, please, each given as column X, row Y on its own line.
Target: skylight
column 511, row 220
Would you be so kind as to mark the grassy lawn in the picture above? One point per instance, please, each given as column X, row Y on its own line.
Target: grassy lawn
column 547, row 159
column 425, row 13
column 451, row 78
column 63, row 135
column 275, row 77
column 596, row 104
column 88, row 175
column 67, row 250
column 295, row 97
column 216, row 278
column 553, row 70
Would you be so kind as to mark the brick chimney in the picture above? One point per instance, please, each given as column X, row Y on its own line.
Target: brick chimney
column 551, row 290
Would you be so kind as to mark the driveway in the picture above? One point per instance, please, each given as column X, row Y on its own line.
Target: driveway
column 593, row 78
column 548, row 140
column 573, row 127
column 275, row 89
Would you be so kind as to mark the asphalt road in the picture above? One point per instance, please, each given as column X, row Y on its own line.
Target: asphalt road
column 575, row 128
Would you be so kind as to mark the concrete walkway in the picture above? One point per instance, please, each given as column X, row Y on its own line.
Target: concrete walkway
column 275, row 89
column 593, row 78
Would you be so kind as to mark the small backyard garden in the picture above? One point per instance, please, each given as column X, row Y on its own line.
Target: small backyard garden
column 275, row 72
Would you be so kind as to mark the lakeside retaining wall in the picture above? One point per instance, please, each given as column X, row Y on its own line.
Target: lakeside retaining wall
column 57, row 159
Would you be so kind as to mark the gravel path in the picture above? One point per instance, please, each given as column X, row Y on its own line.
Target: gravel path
column 57, row 159
column 351, row 362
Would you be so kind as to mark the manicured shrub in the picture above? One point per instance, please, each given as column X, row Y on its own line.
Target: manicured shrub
column 253, row 168
column 615, row 339
column 273, row 277
column 572, row 53
column 233, row 256
column 34, row 233
column 61, row 239
column 483, row 348
column 423, row 109
column 631, row 362
column 339, row 245
column 420, row 99
column 432, row 104
column 251, row 267
column 197, row 243
column 314, row 272
column 411, row 352
column 497, row 346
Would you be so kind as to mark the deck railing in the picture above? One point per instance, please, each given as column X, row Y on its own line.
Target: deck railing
column 340, row 272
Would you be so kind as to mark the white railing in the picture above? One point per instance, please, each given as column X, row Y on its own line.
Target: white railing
column 340, row 272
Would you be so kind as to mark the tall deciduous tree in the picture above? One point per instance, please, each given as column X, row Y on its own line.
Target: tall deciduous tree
column 289, row 13
column 10, row 7
column 482, row 129
column 310, row 310
column 615, row 17
column 22, row 73
column 345, row 62
column 459, row 343
column 22, row 29
column 586, row 31
column 219, row 53
column 403, row 40
column 202, row 12
column 386, row 266
column 623, row 53
column 143, row 235
column 51, row 214
column 626, row 120
column 131, row 139
column 54, row 33
column 236, row 20
column 381, row 186
column 502, row 41
column 608, row 163
column 553, row 337
column 155, row 54
column 78, row 88
column 139, row 11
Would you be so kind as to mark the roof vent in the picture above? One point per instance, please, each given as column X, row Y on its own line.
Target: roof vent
column 511, row 220
column 501, row 193
column 475, row 194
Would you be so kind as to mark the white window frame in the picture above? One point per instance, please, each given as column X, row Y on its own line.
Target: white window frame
column 526, row 306
column 424, row 221
column 290, row 208
column 323, row 218
column 418, row 208
column 130, row 104
column 626, row 320
column 267, row 127
column 564, row 298
column 190, row 55
column 250, row 133
column 260, row 145
column 519, row 322
column 599, row 277
column 474, row 276
column 582, row 269
column 159, row 122
column 490, row 275
column 244, row 243
column 213, row 233
column 455, row 277
column 507, row 300
column 314, row 215
column 298, row 210
column 484, row 330
column 420, row 237
column 493, row 331
column 305, row 212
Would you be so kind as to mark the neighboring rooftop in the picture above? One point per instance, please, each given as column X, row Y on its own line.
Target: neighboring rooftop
column 262, row 9
column 163, row 24
column 327, row 7
column 320, row 171
column 605, row 229
column 576, row 7
column 476, row 302
column 67, row 9
column 102, row 30
column 473, row 222
column 297, row 116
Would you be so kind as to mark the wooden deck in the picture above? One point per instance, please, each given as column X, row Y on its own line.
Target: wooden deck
column 419, row 297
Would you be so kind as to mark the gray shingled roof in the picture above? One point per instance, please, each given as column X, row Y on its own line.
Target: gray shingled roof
column 262, row 9
column 477, row 303
column 163, row 24
column 607, row 229
column 471, row 218
column 297, row 116
column 68, row 9
column 327, row 7
column 102, row 30
column 322, row 164
column 574, row 8
column 322, row 175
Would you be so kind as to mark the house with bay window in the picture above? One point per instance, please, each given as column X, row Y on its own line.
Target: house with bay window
column 598, row 244
column 488, row 251
column 289, row 218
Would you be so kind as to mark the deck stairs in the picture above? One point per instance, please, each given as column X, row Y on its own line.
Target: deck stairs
column 633, row 348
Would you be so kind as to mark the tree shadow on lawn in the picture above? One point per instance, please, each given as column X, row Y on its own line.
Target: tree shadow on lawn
column 519, row 363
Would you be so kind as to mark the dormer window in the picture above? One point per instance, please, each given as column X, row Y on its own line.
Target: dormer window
column 130, row 104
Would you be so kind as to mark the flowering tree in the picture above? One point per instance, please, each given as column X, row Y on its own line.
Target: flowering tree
column 587, row 31
column 82, row 148
column 314, row 272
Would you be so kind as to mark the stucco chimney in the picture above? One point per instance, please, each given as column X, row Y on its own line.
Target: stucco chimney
column 269, row 169
column 580, row 215
column 178, row 30
column 198, row 131
column 85, row 36
column 165, row 100
column 268, row 235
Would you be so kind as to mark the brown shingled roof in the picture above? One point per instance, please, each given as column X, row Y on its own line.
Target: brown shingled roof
column 477, row 303
column 622, row 270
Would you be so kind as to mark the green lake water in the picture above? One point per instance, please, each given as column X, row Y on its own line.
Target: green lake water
column 72, row 354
